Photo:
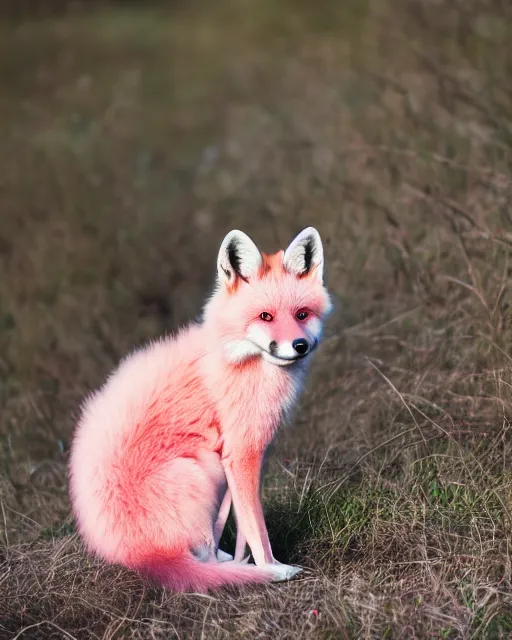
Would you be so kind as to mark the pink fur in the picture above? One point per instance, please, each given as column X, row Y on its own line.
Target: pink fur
column 156, row 445
column 184, row 573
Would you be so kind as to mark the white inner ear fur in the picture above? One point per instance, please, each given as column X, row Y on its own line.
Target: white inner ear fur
column 238, row 256
column 305, row 253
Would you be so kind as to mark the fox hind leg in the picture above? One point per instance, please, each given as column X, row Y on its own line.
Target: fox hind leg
column 206, row 553
column 196, row 485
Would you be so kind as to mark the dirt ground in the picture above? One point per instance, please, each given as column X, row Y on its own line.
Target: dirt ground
column 132, row 138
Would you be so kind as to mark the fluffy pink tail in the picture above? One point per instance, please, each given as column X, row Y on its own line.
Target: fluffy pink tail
column 186, row 573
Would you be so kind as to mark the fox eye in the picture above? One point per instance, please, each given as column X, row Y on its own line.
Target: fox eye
column 267, row 317
column 301, row 315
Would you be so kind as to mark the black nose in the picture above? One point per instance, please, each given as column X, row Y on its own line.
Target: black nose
column 301, row 346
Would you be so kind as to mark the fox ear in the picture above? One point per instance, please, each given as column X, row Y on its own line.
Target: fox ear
column 305, row 255
column 238, row 257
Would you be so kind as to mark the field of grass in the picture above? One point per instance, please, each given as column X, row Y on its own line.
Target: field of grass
column 131, row 140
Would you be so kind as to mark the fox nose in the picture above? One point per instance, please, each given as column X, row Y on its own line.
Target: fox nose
column 301, row 346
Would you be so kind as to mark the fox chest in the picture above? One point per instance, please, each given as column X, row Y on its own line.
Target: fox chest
column 251, row 405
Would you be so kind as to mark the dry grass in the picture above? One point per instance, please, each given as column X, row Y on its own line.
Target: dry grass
column 130, row 142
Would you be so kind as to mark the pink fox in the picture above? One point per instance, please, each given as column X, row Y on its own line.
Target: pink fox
column 179, row 431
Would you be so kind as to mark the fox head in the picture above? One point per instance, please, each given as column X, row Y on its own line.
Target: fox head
column 269, row 306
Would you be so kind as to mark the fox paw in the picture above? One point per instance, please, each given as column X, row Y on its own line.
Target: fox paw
column 222, row 556
column 281, row 572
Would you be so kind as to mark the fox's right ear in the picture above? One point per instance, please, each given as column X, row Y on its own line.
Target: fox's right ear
column 238, row 257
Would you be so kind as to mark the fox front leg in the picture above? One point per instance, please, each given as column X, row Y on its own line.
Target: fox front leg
column 219, row 525
column 218, row 529
column 243, row 473
column 241, row 543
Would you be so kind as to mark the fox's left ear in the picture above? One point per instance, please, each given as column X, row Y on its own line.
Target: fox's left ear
column 305, row 255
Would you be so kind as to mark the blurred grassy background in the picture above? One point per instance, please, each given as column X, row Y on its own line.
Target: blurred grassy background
column 133, row 136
